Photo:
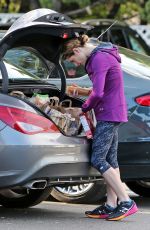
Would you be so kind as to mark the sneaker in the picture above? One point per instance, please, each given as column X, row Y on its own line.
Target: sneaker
column 102, row 212
column 123, row 210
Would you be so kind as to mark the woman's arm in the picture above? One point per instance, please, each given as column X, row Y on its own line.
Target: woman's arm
column 99, row 68
column 75, row 90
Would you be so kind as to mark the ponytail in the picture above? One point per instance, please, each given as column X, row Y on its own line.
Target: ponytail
column 73, row 43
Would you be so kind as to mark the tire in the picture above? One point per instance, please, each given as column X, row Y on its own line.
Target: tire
column 83, row 193
column 23, row 198
column 140, row 187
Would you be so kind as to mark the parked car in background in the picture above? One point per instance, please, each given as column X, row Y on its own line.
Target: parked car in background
column 120, row 34
column 7, row 19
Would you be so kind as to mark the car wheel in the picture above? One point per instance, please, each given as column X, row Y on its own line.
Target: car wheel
column 140, row 187
column 22, row 198
column 82, row 193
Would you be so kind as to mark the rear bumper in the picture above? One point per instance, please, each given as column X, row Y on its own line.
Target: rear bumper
column 54, row 156
column 43, row 156
column 55, row 174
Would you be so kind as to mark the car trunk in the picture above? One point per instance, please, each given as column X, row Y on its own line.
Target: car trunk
column 30, row 89
column 45, row 31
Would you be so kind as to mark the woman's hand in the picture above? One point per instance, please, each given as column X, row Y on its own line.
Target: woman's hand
column 75, row 90
column 72, row 90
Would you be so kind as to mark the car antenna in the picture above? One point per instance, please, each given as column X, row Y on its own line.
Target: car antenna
column 106, row 29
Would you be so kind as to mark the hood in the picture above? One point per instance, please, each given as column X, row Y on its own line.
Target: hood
column 107, row 47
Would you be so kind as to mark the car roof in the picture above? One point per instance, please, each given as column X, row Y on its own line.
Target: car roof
column 104, row 22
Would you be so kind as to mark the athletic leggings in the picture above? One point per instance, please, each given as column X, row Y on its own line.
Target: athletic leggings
column 105, row 145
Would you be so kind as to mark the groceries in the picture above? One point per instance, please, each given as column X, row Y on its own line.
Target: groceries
column 39, row 99
column 63, row 114
column 17, row 93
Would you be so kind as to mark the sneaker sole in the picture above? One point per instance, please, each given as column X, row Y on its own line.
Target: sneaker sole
column 97, row 216
column 133, row 210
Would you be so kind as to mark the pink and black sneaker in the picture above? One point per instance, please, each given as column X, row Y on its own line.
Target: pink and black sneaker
column 123, row 210
column 102, row 212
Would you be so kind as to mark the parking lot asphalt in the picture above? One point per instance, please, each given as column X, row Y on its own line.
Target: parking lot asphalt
column 62, row 216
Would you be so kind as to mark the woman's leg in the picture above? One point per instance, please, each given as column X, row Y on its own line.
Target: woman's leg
column 111, row 195
column 115, row 186
column 113, row 161
column 102, row 142
column 113, row 180
column 111, row 158
column 104, row 152
column 104, row 159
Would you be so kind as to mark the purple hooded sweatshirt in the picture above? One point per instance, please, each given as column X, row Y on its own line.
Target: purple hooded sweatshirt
column 107, row 97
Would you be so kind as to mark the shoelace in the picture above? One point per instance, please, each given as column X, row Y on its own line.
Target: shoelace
column 122, row 209
column 100, row 209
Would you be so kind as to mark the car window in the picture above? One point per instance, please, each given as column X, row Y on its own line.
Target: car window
column 15, row 72
column 97, row 31
column 73, row 71
column 136, row 46
column 27, row 60
column 118, row 37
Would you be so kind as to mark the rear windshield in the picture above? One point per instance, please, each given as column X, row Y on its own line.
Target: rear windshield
column 135, row 64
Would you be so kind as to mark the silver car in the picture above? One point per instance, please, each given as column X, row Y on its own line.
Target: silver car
column 35, row 154
column 134, row 138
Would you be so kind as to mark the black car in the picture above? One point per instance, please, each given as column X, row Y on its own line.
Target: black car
column 120, row 34
column 7, row 19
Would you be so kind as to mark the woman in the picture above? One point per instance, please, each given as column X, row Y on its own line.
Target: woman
column 107, row 98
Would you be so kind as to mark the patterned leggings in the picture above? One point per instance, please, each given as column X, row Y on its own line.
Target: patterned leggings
column 105, row 145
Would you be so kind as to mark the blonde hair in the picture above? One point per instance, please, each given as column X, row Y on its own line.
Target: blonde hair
column 73, row 43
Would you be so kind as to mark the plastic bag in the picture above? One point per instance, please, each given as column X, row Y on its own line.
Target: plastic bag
column 39, row 99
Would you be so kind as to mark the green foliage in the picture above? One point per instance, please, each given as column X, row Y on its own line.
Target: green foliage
column 81, row 3
column 145, row 15
column 13, row 6
column 127, row 10
column 100, row 11
column 46, row 3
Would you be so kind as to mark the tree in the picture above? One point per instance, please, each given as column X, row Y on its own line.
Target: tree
column 28, row 5
column 19, row 5
column 145, row 16
column 84, row 9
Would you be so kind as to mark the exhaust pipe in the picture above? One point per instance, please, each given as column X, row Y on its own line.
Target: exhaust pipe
column 36, row 184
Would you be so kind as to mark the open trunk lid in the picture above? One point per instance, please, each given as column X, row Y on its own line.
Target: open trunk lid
column 44, row 30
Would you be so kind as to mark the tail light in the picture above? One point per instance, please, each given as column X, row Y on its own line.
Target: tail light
column 143, row 100
column 26, row 122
